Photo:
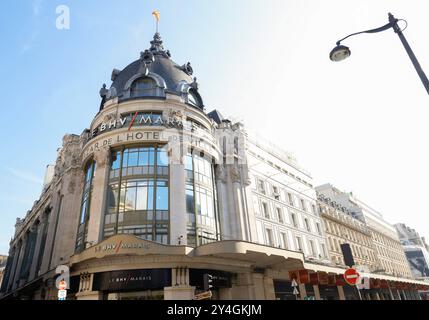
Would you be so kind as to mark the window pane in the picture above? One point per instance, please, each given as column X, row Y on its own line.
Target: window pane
column 190, row 207
column 162, row 198
column 150, row 197
column 151, row 161
column 141, row 201
column 132, row 159
column 130, row 199
column 188, row 162
column 83, row 212
column 162, row 157
column 112, row 196
column 143, row 157
column 116, row 160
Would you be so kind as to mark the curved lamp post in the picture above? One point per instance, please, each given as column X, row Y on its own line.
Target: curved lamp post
column 341, row 52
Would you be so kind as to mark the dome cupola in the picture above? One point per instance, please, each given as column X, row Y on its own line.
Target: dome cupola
column 153, row 76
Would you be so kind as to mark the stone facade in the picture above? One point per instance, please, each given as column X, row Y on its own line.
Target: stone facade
column 390, row 256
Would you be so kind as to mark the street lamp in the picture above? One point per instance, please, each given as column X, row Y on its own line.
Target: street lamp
column 341, row 52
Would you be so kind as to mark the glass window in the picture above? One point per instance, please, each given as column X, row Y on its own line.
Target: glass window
column 136, row 191
column 283, row 240
column 294, row 221
column 162, row 195
column 299, row 244
column 307, row 224
column 290, row 199
column 188, row 162
column 303, row 206
column 194, row 99
column 312, row 249
column 85, row 206
column 270, row 239
column 319, row 230
column 143, row 87
column 265, row 210
column 279, row 215
column 116, row 160
column 200, row 200
column 162, row 157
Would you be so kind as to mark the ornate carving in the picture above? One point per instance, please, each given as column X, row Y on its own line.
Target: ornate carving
column 109, row 117
column 194, row 84
column 147, row 57
column 235, row 174
column 220, row 173
column 174, row 113
column 102, row 157
column 187, row 68
column 71, row 187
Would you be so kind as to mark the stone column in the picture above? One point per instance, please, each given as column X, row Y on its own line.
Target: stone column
column 52, row 230
column 40, row 228
column 222, row 198
column 19, row 264
column 244, row 287
column 85, row 288
column 316, row 292
column 180, row 288
column 391, row 294
column 398, row 294
column 98, row 196
column 341, row 293
column 269, row 288
column 302, row 291
column 178, row 218
column 13, row 267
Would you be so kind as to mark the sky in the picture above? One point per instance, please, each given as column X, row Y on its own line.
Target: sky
column 360, row 124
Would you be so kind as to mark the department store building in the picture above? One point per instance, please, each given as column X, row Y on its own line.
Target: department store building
column 161, row 199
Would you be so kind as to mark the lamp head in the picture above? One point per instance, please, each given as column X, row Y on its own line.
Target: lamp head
column 339, row 53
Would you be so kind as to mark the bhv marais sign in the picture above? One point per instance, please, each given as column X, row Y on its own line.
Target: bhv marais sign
column 129, row 245
column 140, row 119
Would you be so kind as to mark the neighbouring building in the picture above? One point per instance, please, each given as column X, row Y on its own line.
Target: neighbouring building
column 416, row 251
column 390, row 256
column 342, row 227
column 157, row 195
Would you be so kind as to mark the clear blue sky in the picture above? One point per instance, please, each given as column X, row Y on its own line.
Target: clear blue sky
column 247, row 55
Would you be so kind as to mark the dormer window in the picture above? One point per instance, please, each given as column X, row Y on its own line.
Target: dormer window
column 144, row 87
column 194, row 99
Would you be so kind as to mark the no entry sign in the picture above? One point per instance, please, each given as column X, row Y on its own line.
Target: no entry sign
column 351, row 276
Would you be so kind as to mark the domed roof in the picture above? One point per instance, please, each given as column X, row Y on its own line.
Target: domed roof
column 152, row 76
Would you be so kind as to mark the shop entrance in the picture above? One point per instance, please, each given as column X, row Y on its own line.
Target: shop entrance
column 137, row 295
column 283, row 290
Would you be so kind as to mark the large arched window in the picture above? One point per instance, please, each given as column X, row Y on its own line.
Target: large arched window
column 138, row 195
column 144, row 87
column 85, row 206
column 201, row 208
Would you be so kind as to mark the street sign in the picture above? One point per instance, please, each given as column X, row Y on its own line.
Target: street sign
column 62, row 294
column 203, row 296
column 295, row 291
column 294, row 283
column 62, row 285
column 351, row 276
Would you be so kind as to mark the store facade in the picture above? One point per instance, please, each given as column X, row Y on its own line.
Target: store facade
column 156, row 197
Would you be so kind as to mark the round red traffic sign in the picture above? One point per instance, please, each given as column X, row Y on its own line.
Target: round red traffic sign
column 351, row 276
